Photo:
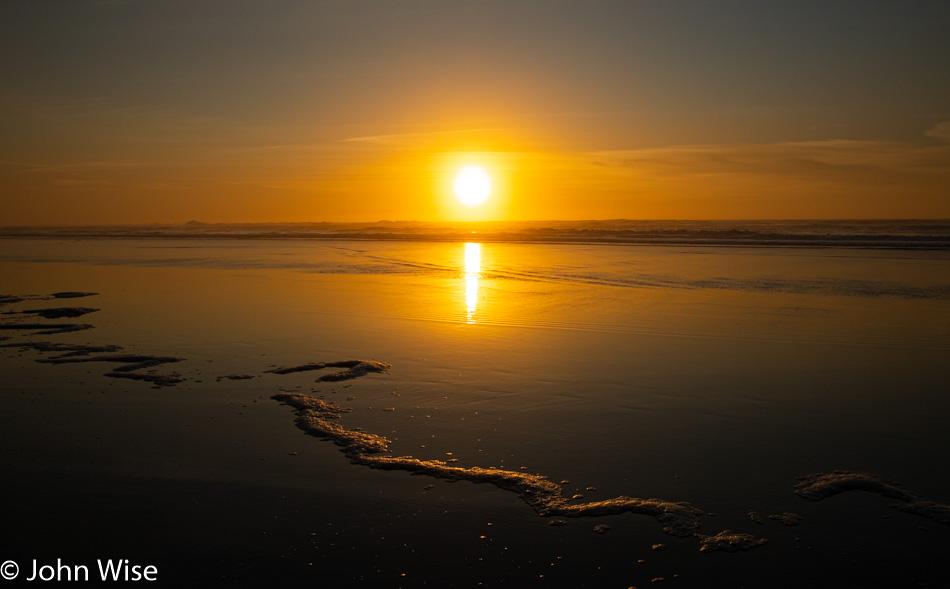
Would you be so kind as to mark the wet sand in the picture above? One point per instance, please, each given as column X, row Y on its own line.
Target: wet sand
column 653, row 444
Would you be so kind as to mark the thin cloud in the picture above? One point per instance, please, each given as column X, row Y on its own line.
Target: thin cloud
column 408, row 139
column 940, row 131
column 74, row 166
column 824, row 158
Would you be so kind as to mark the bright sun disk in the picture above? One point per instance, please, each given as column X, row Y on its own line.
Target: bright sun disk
column 472, row 186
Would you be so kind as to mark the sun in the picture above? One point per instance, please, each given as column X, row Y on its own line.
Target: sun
column 472, row 186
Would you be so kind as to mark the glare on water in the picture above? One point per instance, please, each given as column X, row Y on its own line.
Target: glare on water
column 473, row 266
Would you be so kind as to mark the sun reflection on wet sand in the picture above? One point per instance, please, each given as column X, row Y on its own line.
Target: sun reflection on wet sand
column 473, row 267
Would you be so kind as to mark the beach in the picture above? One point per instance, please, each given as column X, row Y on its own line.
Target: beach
column 521, row 388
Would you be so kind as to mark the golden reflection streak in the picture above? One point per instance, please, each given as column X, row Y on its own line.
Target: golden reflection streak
column 473, row 267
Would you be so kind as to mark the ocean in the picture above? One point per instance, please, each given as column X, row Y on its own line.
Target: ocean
column 603, row 404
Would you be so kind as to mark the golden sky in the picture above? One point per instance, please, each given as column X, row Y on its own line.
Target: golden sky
column 142, row 111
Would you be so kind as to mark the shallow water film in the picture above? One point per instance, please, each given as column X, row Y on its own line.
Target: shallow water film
column 362, row 413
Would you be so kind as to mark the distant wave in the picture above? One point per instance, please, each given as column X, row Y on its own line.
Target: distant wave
column 871, row 234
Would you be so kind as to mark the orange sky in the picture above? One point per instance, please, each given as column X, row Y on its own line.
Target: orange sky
column 137, row 112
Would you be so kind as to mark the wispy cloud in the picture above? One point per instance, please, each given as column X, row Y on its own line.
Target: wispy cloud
column 416, row 139
column 940, row 131
column 87, row 166
column 78, row 182
column 282, row 148
column 826, row 159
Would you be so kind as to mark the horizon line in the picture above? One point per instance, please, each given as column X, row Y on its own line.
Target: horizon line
column 482, row 222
